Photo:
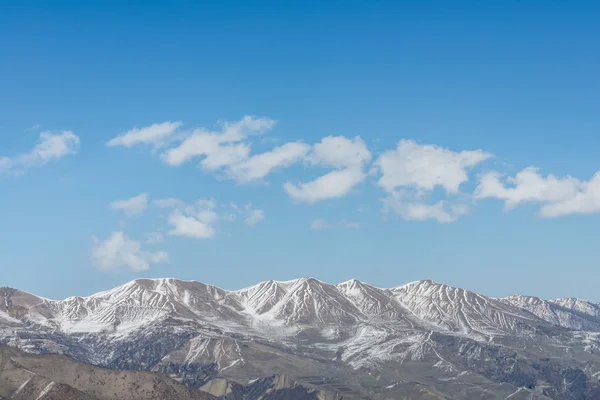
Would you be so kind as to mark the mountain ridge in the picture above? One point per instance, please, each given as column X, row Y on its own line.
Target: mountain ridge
column 291, row 281
column 348, row 338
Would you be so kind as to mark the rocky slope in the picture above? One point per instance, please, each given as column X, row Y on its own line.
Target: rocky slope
column 421, row 340
column 26, row 376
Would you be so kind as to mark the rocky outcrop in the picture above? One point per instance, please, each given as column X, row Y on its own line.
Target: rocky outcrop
column 48, row 377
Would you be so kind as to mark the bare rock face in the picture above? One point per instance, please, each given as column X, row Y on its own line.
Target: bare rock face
column 306, row 339
column 45, row 377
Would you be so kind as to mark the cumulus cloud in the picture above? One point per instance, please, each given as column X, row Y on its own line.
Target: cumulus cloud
column 557, row 195
column 585, row 201
column 227, row 150
column 133, row 206
column 319, row 225
column 49, row 147
column 340, row 152
column 347, row 156
column 155, row 135
column 190, row 226
column 196, row 220
column 218, row 148
column 411, row 172
column 426, row 166
column 120, row 252
column 528, row 186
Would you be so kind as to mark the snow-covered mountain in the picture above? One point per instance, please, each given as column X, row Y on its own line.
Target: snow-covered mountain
column 348, row 334
column 569, row 313
column 298, row 302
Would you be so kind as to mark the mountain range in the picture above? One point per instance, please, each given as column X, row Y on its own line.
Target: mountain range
column 306, row 339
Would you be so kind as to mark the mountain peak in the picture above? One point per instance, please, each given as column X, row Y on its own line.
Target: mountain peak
column 351, row 322
column 420, row 283
column 307, row 281
column 351, row 283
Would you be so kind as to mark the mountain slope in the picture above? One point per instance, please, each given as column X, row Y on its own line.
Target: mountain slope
column 419, row 340
column 458, row 310
column 571, row 313
column 26, row 376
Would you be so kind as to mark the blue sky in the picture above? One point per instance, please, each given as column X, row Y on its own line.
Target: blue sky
column 234, row 142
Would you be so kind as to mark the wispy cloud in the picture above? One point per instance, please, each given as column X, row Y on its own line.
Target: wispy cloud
column 133, row 206
column 257, row 167
column 153, row 238
column 253, row 215
column 155, row 135
column 412, row 209
column 49, row 147
column 34, row 128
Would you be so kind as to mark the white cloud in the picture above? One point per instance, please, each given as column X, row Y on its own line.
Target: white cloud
column 411, row 172
column 226, row 150
column 195, row 220
column 133, row 206
column 221, row 148
column 119, row 252
column 259, row 166
column 528, row 186
column 426, row 166
column 332, row 185
column 414, row 209
column 585, row 201
column 155, row 135
column 217, row 151
column 340, row 152
column 225, row 156
column 49, row 147
column 190, row 226
column 557, row 195
column 348, row 156
column 248, row 125
column 319, row 225
column 253, row 215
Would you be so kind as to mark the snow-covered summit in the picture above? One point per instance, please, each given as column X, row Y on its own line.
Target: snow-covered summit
column 568, row 313
column 301, row 302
